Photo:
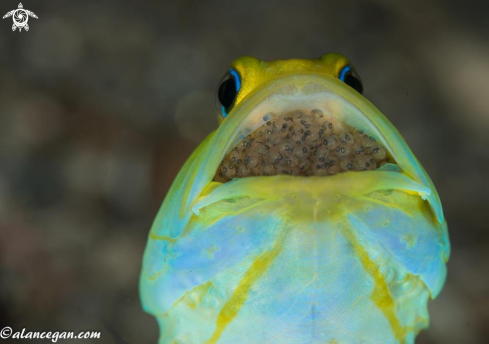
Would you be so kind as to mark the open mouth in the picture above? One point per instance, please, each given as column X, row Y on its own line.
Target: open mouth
column 302, row 143
column 237, row 142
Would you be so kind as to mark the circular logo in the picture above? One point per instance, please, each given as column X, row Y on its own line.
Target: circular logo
column 20, row 17
column 6, row 332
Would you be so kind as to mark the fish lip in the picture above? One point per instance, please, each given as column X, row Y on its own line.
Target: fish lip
column 244, row 118
column 313, row 187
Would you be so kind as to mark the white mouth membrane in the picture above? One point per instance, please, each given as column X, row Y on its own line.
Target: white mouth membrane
column 303, row 132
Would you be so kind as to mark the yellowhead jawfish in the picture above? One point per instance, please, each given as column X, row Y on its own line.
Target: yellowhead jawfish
column 304, row 218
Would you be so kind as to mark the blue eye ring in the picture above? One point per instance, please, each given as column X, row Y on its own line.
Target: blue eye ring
column 236, row 79
column 227, row 92
column 351, row 78
column 343, row 73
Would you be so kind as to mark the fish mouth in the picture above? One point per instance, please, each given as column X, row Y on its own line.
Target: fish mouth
column 196, row 184
column 311, row 95
column 303, row 129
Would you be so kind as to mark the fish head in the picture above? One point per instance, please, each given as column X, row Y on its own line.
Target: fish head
column 307, row 188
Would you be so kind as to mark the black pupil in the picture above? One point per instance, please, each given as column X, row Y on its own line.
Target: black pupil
column 227, row 92
column 353, row 82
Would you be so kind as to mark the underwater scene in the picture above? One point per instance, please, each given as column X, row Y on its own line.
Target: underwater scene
column 244, row 172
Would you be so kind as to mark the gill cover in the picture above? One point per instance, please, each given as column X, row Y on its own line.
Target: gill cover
column 347, row 258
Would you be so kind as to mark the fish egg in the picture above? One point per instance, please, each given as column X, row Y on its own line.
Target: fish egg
column 302, row 144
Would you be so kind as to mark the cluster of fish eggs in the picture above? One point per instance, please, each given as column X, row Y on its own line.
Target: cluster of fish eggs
column 302, row 144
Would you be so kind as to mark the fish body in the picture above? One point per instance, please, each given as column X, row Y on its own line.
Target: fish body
column 338, row 251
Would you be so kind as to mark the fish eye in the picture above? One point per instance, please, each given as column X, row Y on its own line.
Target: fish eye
column 227, row 92
column 351, row 78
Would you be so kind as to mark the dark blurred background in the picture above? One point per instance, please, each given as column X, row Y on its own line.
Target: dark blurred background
column 101, row 103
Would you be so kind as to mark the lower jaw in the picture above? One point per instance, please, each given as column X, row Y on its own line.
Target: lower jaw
column 302, row 143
